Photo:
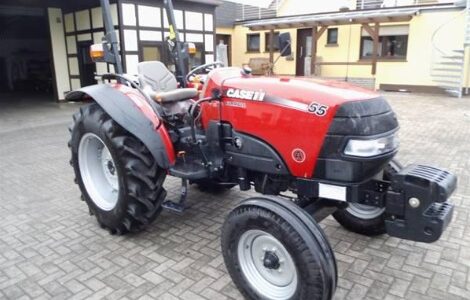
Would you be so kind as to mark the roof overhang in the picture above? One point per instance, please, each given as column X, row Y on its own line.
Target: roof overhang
column 333, row 19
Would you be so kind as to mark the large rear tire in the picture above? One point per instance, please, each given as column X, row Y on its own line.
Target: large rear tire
column 117, row 175
column 365, row 219
column 276, row 251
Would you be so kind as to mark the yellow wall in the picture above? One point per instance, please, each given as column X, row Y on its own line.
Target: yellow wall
column 417, row 69
column 224, row 30
column 59, row 52
column 414, row 71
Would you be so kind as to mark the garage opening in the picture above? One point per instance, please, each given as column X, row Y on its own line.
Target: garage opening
column 25, row 55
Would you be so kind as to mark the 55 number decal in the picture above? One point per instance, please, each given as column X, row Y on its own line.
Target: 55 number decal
column 318, row 109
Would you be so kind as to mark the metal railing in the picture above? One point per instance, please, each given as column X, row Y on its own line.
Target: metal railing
column 372, row 4
column 448, row 63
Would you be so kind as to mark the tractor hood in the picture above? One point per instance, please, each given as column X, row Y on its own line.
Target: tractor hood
column 302, row 90
column 303, row 119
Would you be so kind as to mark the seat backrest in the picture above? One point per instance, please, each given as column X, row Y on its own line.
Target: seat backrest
column 154, row 75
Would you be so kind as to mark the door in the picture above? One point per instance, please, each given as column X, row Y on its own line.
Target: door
column 304, row 52
column 86, row 65
column 226, row 39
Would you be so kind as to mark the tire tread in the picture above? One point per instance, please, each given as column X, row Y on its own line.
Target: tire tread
column 143, row 179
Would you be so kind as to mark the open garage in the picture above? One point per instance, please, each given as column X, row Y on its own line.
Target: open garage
column 25, row 56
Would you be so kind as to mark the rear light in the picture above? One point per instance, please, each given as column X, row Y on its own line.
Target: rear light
column 97, row 52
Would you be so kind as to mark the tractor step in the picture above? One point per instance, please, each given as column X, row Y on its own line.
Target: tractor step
column 179, row 205
column 191, row 170
column 174, row 207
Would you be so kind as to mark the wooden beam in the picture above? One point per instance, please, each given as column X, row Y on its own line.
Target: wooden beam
column 374, row 34
column 345, row 63
column 271, row 52
column 321, row 31
column 314, row 50
column 369, row 30
column 375, row 47
column 271, row 45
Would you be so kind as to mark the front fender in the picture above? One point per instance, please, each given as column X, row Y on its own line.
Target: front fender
column 131, row 111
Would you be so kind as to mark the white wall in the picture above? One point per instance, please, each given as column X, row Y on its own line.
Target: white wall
column 59, row 51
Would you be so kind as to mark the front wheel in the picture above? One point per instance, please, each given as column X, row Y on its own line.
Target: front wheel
column 365, row 219
column 272, row 254
column 117, row 175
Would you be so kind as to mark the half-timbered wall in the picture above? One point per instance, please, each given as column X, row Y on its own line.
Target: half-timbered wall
column 145, row 22
column 138, row 23
column 82, row 26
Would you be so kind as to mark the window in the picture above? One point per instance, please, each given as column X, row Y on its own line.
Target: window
column 332, row 36
column 149, row 51
column 252, row 42
column 393, row 47
column 393, row 43
column 275, row 41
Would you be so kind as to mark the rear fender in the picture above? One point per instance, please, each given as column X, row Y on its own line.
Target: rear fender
column 131, row 111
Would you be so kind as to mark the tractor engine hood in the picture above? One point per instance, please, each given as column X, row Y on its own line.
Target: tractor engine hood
column 298, row 91
column 319, row 118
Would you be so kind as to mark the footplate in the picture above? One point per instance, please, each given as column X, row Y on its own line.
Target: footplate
column 416, row 203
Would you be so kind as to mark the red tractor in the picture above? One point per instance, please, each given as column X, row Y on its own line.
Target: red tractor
column 330, row 145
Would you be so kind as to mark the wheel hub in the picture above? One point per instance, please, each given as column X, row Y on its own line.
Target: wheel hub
column 271, row 261
column 267, row 265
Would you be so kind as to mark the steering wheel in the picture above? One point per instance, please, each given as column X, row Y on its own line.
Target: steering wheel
column 203, row 68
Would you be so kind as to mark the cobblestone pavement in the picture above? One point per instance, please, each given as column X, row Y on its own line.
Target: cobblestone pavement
column 51, row 248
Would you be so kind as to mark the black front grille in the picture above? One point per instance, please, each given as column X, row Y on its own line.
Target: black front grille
column 371, row 118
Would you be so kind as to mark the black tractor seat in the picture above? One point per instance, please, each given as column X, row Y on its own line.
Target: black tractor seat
column 174, row 95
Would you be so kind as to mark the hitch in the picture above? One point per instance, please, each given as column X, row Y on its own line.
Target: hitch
column 416, row 204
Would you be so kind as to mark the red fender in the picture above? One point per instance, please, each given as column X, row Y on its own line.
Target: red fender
column 131, row 111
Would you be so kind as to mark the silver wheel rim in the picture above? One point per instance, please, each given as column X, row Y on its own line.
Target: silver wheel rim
column 270, row 282
column 365, row 212
column 98, row 171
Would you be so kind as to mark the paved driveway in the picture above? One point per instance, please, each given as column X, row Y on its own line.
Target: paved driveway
column 51, row 248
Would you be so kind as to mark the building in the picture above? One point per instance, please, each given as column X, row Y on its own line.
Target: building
column 412, row 45
column 45, row 43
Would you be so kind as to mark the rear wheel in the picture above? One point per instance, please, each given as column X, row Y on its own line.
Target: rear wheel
column 117, row 175
column 366, row 219
column 272, row 254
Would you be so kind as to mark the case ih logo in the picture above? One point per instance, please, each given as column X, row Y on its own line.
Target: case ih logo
column 245, row 94
column 298, row 155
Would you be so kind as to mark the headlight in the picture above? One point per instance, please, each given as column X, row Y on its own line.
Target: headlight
column 367, row 148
